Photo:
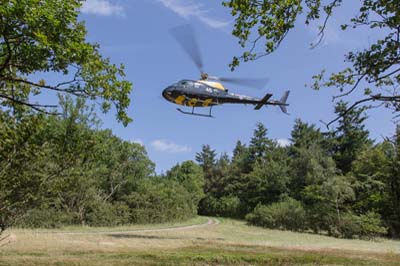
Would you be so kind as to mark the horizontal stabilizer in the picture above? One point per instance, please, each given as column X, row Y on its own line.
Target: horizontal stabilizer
column 263, row 101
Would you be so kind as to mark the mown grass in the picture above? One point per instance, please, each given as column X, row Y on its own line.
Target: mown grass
column 89, row 229
column 197, row 255
column 228, row 243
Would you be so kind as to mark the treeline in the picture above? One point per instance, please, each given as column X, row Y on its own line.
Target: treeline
column 337, row 182
column 64, row 170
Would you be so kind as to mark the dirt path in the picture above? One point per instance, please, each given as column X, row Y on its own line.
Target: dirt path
column 210, row 222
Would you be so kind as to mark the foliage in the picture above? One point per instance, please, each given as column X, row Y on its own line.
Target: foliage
column 24, row 170
column 61, row 170
column 38, row 37
column 350, row 136
column 264, row 182
column 206, row 159
column 158, row 201
column 373, row 70
column 64, row 170
column 365, row 226
column 287, row 214
column 226, row 206
column 189, row 175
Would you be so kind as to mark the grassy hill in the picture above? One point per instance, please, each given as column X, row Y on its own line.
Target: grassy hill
column 221, row 242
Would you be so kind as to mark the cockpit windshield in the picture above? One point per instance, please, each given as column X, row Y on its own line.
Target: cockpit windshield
column 184, row 83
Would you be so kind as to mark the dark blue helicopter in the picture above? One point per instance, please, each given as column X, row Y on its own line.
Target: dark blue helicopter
column 208, row 90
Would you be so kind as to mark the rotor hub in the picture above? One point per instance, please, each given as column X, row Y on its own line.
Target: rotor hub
column 204, row 76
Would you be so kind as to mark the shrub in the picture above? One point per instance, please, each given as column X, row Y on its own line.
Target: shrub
column 364, row 226
column 321, row 217
column 159, row 202
column 228, row 206
column 287, row 214
column 45, row 217
column 103, row 213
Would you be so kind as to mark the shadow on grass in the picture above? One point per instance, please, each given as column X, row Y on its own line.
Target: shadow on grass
column 135, row 236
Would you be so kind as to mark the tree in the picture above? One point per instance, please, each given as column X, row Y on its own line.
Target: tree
column 305, row 135
column 395, row 187
column 190, row 176
column 371, row 171
column 240, row 160
column 374, row 70
column 23, row 166
column 39, row 36
column 260, row 144
column 268, row 181
column 350, row 136
column 119, row 165
column 206, row 159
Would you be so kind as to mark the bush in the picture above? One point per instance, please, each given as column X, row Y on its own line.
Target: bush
column 365, row 226
column 288, row 214
column 225, row 206
column 45, row 217
column 103, row 213
column 159, row 202
column 321, row 217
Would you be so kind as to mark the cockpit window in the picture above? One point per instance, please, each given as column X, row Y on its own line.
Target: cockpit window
column 185, row 83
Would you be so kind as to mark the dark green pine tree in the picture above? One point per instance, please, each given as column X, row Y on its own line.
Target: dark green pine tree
column 221, row 176
column 260, row 144
column 305, row 135
column 310, row 163
column 206, row 159
column 351, row 137
column 240, row 160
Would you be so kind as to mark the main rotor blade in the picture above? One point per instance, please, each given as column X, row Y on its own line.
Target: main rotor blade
column 186, row 37
column 249, row 82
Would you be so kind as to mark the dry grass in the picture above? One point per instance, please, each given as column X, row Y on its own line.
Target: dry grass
column 230, row 243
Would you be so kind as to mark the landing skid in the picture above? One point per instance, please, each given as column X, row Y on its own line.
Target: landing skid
column 196, row 114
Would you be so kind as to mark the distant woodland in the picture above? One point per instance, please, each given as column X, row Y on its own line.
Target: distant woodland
column 64, row 170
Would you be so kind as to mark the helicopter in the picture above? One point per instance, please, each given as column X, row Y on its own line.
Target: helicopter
column 208, row 91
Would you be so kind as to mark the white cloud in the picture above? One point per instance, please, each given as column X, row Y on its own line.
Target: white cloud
column 283, row 142
column 169, row 147
column 138, row 141
column 102, row 8
column 188, row 9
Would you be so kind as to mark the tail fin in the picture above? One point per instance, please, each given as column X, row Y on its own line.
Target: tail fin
column 282, row 102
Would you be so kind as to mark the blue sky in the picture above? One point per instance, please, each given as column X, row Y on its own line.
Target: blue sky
column 135, row 33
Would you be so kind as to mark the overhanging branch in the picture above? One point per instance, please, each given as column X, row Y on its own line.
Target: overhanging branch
column 377, row 97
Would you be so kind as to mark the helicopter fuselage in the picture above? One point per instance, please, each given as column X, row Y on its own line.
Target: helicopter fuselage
column 199, row 93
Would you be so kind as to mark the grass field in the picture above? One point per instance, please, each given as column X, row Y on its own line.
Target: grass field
column 226, row 242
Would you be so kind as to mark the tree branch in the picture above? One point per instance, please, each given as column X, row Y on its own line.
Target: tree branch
column 377, row 97
column 321, row 32
column 37, row 107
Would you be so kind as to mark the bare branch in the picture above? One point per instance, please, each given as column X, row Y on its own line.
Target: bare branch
column 377, row 97
column 37, row 107
column 321, row 32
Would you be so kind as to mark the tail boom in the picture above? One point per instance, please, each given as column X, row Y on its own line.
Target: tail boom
column 281, row 103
